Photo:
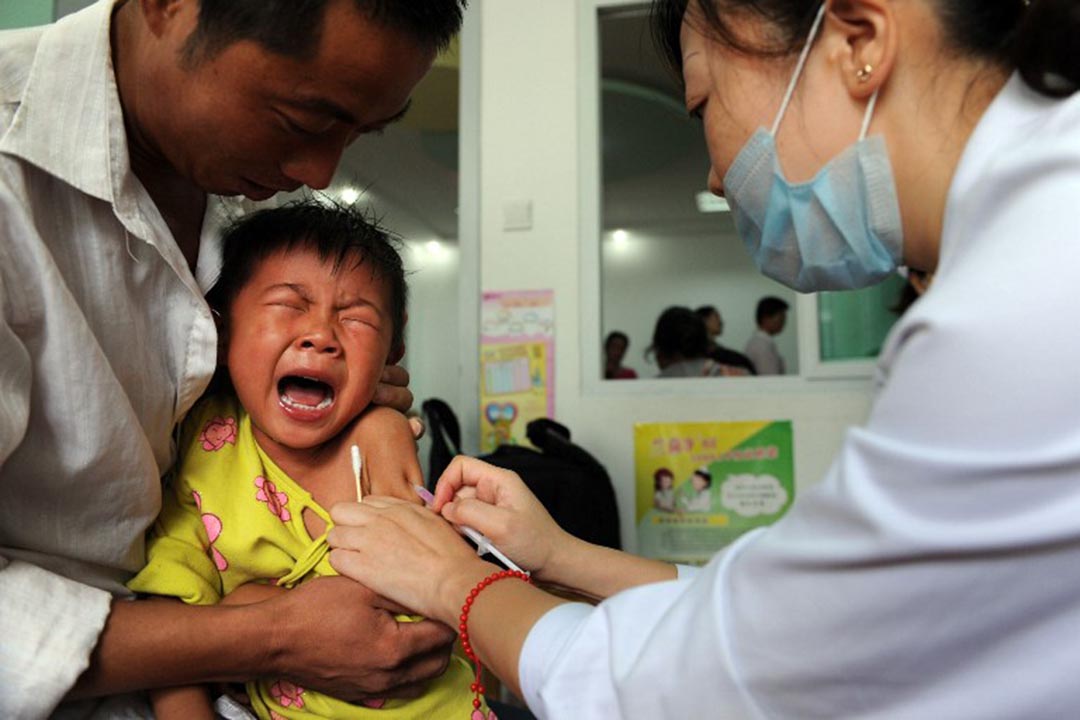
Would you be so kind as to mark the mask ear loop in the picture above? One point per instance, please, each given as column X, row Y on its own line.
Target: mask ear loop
column 868, row 115
column 798, row 69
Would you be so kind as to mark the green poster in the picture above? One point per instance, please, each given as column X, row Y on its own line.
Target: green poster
column 702, row 485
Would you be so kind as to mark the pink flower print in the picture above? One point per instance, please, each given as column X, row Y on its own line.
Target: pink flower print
column 479, row 715
column 287, row 694
column 212, row 523
column 217, row 432
column 275, row 500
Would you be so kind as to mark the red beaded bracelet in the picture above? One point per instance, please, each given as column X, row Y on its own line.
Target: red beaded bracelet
column 476, row 687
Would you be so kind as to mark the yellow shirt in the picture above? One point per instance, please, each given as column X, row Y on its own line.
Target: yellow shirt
column 230, row 517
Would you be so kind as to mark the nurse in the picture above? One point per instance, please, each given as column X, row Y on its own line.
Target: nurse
column 932, row 574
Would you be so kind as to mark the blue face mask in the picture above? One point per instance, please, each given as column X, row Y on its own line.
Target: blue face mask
column 839, row 231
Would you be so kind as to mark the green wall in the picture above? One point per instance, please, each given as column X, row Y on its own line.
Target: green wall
column 24, row 13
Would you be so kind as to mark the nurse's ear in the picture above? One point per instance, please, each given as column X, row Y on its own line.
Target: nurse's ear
column 868, row 35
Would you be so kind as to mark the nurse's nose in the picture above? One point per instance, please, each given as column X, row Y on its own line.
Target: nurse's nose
column 716, row 183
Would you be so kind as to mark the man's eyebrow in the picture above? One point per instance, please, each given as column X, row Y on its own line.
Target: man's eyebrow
column 339, row 113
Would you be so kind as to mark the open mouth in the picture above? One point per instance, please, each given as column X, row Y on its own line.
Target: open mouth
column 304, row 393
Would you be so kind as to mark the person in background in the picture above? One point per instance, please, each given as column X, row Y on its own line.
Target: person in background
column 615, row 346
column 932, row 572
column 714, row 326
column 771, row 316
column 129, row 132
column 679, row 344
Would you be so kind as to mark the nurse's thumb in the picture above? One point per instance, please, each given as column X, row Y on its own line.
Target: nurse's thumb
column 488, row 519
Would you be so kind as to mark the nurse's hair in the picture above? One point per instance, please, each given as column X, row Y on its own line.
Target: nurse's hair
column 292, row 28
column 1037, row 37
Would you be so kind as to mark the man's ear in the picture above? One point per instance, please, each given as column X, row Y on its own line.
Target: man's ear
column 162, row 15
column 868, row 31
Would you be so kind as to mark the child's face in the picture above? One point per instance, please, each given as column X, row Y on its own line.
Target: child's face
column 699, row 482
column 306, row 346
column 666, row 481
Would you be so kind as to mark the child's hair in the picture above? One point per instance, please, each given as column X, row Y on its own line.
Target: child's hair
column 661, row 473
column 337, row 233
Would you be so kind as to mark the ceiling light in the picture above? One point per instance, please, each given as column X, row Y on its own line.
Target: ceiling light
column 709, row 203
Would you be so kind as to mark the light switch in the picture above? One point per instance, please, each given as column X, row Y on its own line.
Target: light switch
column 517, row 215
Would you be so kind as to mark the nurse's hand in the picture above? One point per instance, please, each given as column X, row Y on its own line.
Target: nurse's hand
column 498, row 504
column 406, row 553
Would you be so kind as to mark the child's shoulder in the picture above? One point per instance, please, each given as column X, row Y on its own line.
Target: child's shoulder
column 212, row 416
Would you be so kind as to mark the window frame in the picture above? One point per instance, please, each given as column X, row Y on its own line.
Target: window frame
column 813, row 371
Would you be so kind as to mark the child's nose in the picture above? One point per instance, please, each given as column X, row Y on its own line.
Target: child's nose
column 320, row 339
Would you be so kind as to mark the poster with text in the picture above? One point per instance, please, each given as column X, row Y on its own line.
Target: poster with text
column 517, row 356
column 699, row 486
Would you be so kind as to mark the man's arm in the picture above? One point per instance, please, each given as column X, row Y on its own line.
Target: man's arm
column 330, row 634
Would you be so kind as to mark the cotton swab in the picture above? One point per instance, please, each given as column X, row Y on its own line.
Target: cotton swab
column 357, row 464
column 483, row 545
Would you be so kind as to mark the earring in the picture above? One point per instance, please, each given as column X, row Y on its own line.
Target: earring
column 863, row 73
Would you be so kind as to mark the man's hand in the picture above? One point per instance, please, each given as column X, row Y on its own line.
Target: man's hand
column 393, row 389
column 338, row 637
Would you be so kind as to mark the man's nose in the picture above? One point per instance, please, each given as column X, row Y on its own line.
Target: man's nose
column 315, row 163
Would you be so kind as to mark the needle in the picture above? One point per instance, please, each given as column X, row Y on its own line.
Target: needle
column 357, row 463
column 483, row 545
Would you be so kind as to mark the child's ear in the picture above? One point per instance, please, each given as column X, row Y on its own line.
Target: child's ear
column 223, row 337
column 395, row 355
column 399, row 352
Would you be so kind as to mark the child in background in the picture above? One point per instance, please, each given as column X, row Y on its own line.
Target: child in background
column 311, row 303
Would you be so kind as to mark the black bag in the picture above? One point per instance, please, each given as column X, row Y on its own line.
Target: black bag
column 573, row 486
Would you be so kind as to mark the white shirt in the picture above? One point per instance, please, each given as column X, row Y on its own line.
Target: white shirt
column 936, row 571
column 762, row 351
column 105, row 342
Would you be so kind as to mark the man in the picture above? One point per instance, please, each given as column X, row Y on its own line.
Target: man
column 771, row 315
column 714, row 326
column 120, row 129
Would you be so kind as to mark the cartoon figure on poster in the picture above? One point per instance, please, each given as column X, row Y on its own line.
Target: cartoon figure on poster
column 737, row 476
column 700, row 500
column 501, row 417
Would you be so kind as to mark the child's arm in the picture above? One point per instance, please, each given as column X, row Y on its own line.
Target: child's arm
column 391, row 465
column 190, row 702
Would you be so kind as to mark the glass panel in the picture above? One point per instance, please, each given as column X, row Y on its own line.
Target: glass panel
column 659, row 247
column 25, row 13
column 853, row 325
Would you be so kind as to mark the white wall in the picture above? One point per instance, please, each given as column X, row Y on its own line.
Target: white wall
column 529, row 150
column 432, row 333
column 647, row 272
